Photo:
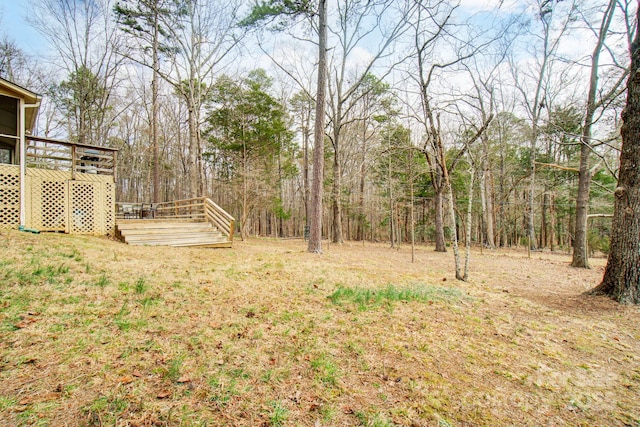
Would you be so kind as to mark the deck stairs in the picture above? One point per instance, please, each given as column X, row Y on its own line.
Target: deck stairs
column 171, row 232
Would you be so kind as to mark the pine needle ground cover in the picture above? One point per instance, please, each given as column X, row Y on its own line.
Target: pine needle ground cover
column 97, row 333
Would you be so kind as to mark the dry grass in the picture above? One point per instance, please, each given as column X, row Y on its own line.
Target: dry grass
column 94, row 332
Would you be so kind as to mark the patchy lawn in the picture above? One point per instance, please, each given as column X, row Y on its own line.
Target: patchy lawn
column 94, row 332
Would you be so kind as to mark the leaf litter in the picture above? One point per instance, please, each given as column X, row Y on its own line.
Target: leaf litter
column 122, row 335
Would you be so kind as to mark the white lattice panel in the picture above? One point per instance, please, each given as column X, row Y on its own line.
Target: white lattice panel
column 53, row 208
column 9, row 196
column 109, row 208
column 82, row 207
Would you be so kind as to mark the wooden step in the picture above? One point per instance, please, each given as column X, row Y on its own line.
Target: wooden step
column 160, row 225
column 177, row 241
column 175, row 236
column 166, row 230
column 170, row 233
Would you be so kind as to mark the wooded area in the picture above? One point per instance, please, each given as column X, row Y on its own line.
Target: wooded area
column 443, row 121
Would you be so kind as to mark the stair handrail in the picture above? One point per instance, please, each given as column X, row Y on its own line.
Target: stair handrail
column 181, row 209
column 219, row 218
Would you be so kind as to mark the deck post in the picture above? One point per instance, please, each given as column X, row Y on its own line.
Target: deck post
column 23, row 165
column 73, row 162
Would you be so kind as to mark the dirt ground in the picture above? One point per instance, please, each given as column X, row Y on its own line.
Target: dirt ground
column 94, row 332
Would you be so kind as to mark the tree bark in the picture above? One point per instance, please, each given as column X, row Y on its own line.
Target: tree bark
column 439, row 221
column 621, row 279
column 486, row 192
column 337, row 185
column 552, row 223
column 544, row 223
column 193, row 151
column 467, row 238
column 315, row 232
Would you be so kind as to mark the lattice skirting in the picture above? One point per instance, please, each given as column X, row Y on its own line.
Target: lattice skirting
column 54, row 202
column 9, row 196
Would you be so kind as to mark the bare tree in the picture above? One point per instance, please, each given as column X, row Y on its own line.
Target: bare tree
column 84, row 37
column 315, row 232
column 532, row 82
column 428, row 25
column 358, row 21
column 205, row 33
column 596, row 99
column 141, row 19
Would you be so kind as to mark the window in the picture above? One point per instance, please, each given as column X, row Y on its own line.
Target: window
column 5, row 155
column 8, row 128
column 8, row 116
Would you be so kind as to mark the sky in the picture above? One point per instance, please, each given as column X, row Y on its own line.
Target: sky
column 13, row 22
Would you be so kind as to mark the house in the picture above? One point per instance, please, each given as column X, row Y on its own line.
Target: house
column 48, row 184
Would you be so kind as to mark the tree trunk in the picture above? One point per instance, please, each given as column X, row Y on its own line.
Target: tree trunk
column 621, row 279
column 454, row 227
column 315, row 234
column 245, row 199
column 305, row 137
column 363, row 173
column 467, row 239
column 439, row 223
column 154, row 109
column 531, row 228
column 193, row 152
column 580, row 255
column 486, row 193
column 335, row 194
column 544, row 223
column 552, row 223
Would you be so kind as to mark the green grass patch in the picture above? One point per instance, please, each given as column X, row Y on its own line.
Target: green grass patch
column 325, row 369
column 278, row 414
column 104, row 410
column 366, row 297
column 373, row 419
column 140, row 286
column 102, row 282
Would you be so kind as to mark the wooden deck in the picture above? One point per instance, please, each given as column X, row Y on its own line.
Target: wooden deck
column 195, row 222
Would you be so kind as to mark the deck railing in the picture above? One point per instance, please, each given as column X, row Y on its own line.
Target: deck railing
column 46, row 153
column 198, row 209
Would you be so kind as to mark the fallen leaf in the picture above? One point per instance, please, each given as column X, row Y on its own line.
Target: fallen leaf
column 215, row 325
column 24, row 323
column 51, row 396
column 163, row 394
column 126, row 380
